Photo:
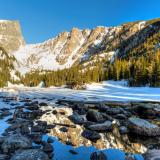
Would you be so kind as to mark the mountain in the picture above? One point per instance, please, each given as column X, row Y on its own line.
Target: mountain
column 87, row 48
column 70, row 48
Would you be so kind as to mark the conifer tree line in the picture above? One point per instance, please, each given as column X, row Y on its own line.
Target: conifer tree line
column 74, row 74
column 144, row 70
column 139, row 72
column 5, row 66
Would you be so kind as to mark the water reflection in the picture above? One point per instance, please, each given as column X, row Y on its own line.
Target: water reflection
column 61, row 152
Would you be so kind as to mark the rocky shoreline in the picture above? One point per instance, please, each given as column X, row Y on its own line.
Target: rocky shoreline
column 133, row 127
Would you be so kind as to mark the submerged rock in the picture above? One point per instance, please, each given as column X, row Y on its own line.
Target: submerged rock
column 152, row 155
column 91, row 135
column 98, row 156
column 47, row 147
column 129, row 157
column 143, row 127
column 30, row 154
column 73, row 152
column 14, row 142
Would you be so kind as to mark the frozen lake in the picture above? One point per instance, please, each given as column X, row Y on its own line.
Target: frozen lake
column 108, row 90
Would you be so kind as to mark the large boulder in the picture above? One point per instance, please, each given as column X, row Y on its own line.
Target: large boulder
column 152, row 155
column 98, row 156
column 107, row 125
column 94, row 116
column 30, row 154
column 143, row 127
column 114, row 111
column 91, row 135
column 76, row 118
column 147, row 110
column 14, row 142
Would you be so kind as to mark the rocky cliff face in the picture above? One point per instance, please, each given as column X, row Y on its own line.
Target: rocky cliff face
column 10, row 35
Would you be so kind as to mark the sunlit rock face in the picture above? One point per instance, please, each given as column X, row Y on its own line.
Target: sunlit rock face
column 11, row 38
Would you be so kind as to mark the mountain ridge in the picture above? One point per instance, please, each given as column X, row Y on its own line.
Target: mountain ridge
column 86, row 48
column 67, row 48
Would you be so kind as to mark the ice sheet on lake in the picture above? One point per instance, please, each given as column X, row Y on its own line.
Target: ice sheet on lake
column 108, row 90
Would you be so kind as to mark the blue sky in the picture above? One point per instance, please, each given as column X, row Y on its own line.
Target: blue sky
column 44, row 19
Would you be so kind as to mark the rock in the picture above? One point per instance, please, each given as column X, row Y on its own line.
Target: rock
column 25, row 129
column 32, row 108
column 43, row 104
column 80, row 108
column 29, row 115
column 69, row 143
column 36, row 137
column 123, row 130
column 76, row 118
column 47, row 147
column 50, row 140
column 30, row 154
column 91, row 135
column 98, row 156
column 120, row 116
column 33, row 103
column 76, row 85
column 129, row 157
column 107, row 117
column 114, row 111
column 147, row 110
column 94, row 116
column 143, row 127
column 54, row 112
column 14, row 142
column 73, row 152
column 50, row 126
column 101, row 127
column 41, row 123
column 38, row 128
column 6, row 113
column 88, row 123
column 25, row 100
column 152, row 155
column 4, row 157
column 1, row 140
column 103, row 107
column 63, row 129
